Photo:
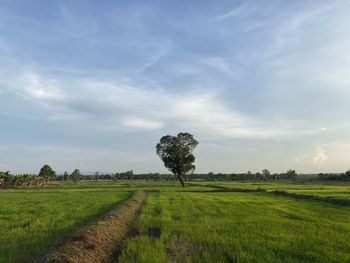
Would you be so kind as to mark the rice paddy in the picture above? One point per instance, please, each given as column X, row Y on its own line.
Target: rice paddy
column 197, row 223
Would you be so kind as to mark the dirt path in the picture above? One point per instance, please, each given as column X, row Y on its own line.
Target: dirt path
column 101, row 241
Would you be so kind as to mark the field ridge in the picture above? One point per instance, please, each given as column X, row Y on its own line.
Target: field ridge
column 331, row 200
column 101, row 241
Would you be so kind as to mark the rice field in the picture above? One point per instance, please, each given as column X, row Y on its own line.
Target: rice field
column 339, row 190
column 32, row 220
column 238, row 227
column 193, row 224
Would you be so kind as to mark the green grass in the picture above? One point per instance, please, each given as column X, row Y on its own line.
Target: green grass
column 183, row 224
column 33, row 220
column 238, row 227
column 339, row 190
column 127, row 185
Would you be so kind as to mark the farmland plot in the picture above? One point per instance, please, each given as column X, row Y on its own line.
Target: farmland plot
column 32, row 220
column 238, row 227
column 339, row 190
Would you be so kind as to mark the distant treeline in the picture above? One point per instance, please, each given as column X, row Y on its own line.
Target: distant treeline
column 46, row 174
column 265, row 175
column 335, row 177
column 130, row 175
column 22, row 181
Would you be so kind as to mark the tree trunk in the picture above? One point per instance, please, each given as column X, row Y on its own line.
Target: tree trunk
column 181, row 180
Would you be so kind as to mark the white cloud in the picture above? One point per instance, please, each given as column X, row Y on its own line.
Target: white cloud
column 33, row 86
column 317, row 157
column 102, row 104
column 300, row 158
column 141, row 123
column 320, row 157
column 211, row 117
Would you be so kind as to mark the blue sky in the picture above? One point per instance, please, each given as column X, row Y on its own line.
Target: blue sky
column 94, row 84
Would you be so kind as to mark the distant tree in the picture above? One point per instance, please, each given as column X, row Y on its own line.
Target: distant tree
column 47, row 173
column 97, row 174
column 65, row 176
column 258, row 176
column 156, row 177
column 265, row 174
column 75, row 176
column 291, row 174
column 249, row 175
column 5, row 178
column 176, row 153
column 129, row 175
column 211, row 176
column 276, row 176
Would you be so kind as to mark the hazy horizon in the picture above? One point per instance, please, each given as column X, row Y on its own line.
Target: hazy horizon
column 95, row 85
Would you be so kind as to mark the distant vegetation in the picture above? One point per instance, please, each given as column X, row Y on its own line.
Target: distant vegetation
column 335, row 177
column 31, row 180
column 264, row 175
column 46, row 174
column 21, row 181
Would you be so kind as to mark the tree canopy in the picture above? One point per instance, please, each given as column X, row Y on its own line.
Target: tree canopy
column 176, row 153
column 47, row 172
column 75, row 176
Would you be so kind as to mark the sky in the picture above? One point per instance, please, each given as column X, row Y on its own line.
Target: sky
column 94, row 85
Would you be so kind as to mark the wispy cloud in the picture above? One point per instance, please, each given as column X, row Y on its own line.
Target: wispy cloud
column 32, row 86
column 140, row 108
column 140, row 123
column 316, row 157
column 240, row 10
column 299, row 158
column 320, row 157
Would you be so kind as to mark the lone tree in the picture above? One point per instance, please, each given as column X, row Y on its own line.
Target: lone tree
column 47, row 173
column 65, row 176
column 291, row 174
column 75, row 176
column 176, row 153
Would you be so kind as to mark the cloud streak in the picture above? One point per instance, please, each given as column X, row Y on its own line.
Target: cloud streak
column 136, row 108
column 32, row 86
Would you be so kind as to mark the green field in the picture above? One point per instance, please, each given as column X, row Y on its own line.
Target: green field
column 238, row 227
column 32, row 220
column 192, row 224
column 340, row 190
